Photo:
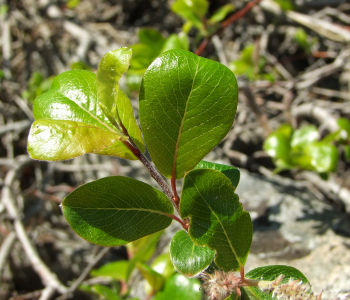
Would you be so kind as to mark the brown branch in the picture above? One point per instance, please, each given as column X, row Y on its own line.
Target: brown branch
column 153, row 171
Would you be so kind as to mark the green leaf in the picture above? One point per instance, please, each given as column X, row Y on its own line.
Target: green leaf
column 179, row 287
column 152, row 38
column 142, row 250
column 60, row 140
column 231, row 173
column 221, row 13
column 143, row 56
column 155, row 280
column 116, row 270
column 344, row 124
column 285, row 4
column 114, row 103
column 72, row 100
column 217, row 217
column 324, row 157
column 113, row 211
column 105, row 292
column 304, row 136
column 191, row 10
column 188, row 258
column 277, row 144
column 175, row 42
column 270, row 273
column 162, row 264
column 187, row 106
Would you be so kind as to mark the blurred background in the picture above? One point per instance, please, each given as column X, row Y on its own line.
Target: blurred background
column 290, row 139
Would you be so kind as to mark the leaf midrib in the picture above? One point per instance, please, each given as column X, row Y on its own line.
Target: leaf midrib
column 121, row 209
column 222, row 226
column 173, row 173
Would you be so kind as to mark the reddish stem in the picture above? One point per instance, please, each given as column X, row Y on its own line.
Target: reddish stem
column 183, row 224
column 173, row 186
column 227, row 22
column 241, row 271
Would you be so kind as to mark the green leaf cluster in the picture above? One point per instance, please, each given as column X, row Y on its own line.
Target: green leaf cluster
column 252, row 65
column 187, row 106
column 194, row 13
column 301, row 148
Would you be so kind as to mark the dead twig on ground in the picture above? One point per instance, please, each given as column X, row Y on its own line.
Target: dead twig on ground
column 48, row 278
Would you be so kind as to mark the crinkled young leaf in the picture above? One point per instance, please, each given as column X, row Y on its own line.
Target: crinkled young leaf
column 114, row 103
column 188, row 258
column 187, row 106
column 270, row 273
column 113, row 211
column 231, row 173
column 72, row 97
column 217, row 217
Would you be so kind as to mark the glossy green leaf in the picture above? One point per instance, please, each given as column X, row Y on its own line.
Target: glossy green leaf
column 304, row 136
column 113, row 211
column 116, row 270
column 277, row 144
column 188, row 258
column 154, row 279
column 179, row 287
column 114, row 103
column 323, row 156
column 231, row 173
column 217, row 217
column 105, row 292
column 221, row 13
column 68, row 115
column 270, row 273
column 191, row 10
column 187, row 106
column 60, row 140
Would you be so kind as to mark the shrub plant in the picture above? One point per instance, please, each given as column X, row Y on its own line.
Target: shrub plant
column 187, row 106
